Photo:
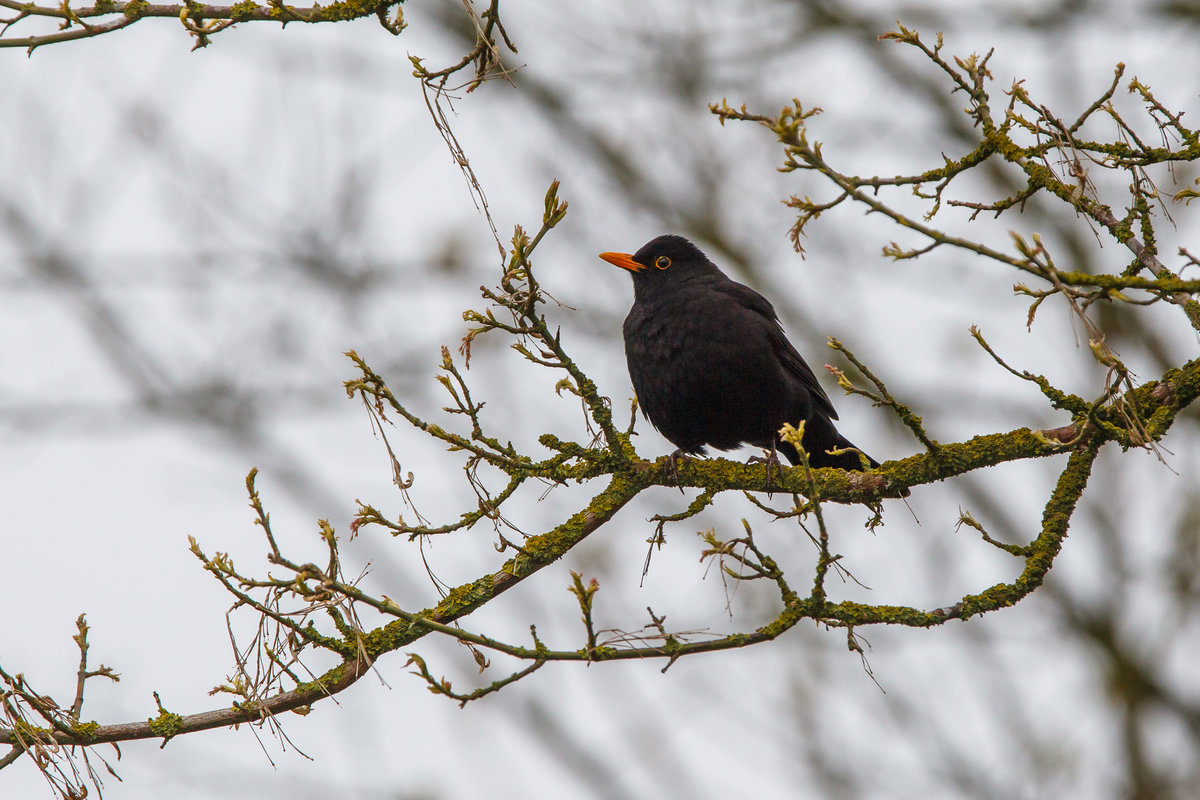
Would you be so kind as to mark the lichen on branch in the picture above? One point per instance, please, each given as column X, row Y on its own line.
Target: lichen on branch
column 319, row 630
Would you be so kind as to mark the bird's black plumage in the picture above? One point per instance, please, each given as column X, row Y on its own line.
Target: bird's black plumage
column 710, row 362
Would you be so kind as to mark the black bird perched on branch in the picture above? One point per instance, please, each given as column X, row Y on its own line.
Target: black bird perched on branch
column 711, row 365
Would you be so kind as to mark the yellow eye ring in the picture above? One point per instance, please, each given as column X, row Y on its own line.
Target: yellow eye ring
column 662, row 262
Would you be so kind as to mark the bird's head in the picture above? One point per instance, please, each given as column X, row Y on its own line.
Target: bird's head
column 663, row 261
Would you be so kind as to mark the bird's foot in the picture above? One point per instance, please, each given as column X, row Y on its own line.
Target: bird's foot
column 772, row 463
column 673, row 465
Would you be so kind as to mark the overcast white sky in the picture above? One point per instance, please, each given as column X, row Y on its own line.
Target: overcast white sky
column 192, row 239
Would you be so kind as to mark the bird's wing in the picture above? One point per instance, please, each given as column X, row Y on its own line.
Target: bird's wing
column 792, row 361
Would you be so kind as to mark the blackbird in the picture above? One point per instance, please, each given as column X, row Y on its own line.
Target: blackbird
column 710, row 362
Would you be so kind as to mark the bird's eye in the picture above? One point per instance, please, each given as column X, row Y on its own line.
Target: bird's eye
column 662, row 262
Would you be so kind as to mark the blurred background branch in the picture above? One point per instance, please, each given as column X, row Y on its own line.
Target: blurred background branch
column 240, row 222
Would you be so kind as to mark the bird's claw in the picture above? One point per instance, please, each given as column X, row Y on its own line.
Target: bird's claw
column 770, row 460
column 673, row 464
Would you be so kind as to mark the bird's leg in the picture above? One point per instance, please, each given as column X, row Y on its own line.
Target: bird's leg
column 673, row 464
column 771, row 460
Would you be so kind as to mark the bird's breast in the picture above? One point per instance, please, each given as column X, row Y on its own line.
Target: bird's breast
column 704, row 371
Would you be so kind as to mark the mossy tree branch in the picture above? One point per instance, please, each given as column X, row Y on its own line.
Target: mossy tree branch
column 305, row 608
column 204, row 20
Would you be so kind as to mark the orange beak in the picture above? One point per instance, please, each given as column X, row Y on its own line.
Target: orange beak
column 623, row 260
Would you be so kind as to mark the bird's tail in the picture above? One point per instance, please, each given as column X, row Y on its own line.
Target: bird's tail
column 819, row 438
